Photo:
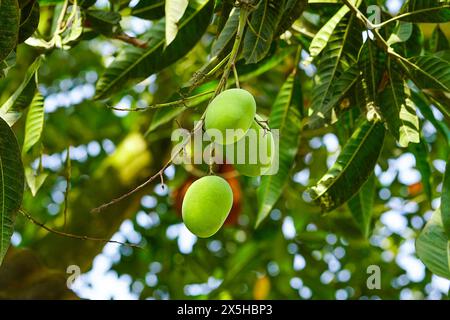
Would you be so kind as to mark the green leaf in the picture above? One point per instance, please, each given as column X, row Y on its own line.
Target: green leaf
column 11, row 184
column 261, row 30
column 103, row 21
column 34, row 181
column 361, row 206
column 76, row 26
column 401, row 33
column 7, row 64
column 226, row 37
column 21, row 98
column 174, row 10
column 425, row 11
column 433, row 246
column 445, row 200
column 431, row 71
column 352, row 168
column 35, row 122
column 438, row 41
column 420, row 152
column 293, row 9
column 29, row 20
column 9, row 26
column 149, row 9
column 284, row 117
column 425, row 109
column 341, row 52
column 398, row 110
column 320, row 40
column 135, row 64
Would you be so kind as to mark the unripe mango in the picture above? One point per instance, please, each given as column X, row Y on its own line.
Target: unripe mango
column 206, row 205
column 232, row 109
column 253, row 154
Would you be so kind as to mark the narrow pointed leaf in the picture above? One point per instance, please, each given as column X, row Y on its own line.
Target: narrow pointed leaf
column 439, row 41
column 9, row 26
column 149, row 9
column 293, row 9
column 174, row 10
column 433, row 246
column 11, row 184
column 402, row 33
column 259, row 36
column 352, row 168
column 340, row 53
column 29, row 20
column 227, row 34
column 18, row 99
column 320, row 40
column 135, row 64
column 284, row 117
column 431, row 71
column 361, row 206
column 398, row 110
column 35, row 122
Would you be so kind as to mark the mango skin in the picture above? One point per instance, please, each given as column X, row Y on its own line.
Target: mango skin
column 231, row 109
column 206, row 205
column 257, row 168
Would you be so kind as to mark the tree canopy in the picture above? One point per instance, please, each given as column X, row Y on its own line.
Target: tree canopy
column 359, row 91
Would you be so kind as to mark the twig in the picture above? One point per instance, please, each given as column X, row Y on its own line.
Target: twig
column 131, row 40
column 163, row 105
column 75, row 236
column 236, row 76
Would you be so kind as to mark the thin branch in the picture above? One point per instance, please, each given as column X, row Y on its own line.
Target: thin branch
column 131, row 40
column 236, row 77
column 75, row 236
column 181, row 102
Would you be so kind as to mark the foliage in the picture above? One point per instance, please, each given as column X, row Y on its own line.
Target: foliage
column 91, row 91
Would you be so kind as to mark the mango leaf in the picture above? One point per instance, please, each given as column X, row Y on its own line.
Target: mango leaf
column 433, row 246
column 361, row 206
column 135, row 64
column 431, row 71
column 29, row 20
column 425, row 11
column 341, row 51
column 293, row 9
column 34, row 181
column 261, row 30
column 9, row 26
column 7, row 64
column 401, row 33
column 438, row 41
column 149, row 9
column 35, row 122
column 398, row 110
column 425, row 109
column 12, row 109
column 420, row 152
column 285, row 117
column 103, row 21
column 352, row 168
column 445, row 200
column 227, row 34
column 174, row 10
column 11, row 184
column 320, row 40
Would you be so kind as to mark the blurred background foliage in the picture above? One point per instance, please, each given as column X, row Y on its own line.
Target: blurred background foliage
column 296, row 253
